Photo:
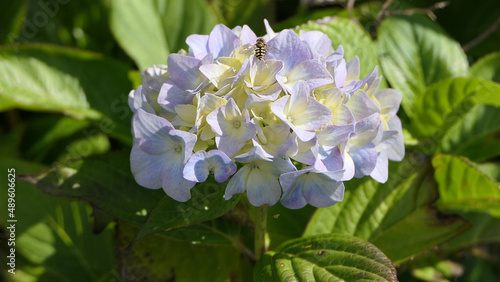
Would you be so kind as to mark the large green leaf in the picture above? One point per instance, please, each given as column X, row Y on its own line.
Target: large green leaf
column 331, row 257
column 487, row 68
column 448, row 101
column 54, row 240
column 396, row 216
column 474, row 135
column 464, row 188
column 77, row 83
column 105, row 181
column 355, row 40
column 415, row 53
column 207, row 202
column 148, row 30
column 157, row 258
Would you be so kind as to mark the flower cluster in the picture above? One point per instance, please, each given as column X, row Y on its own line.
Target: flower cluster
column 298, row 122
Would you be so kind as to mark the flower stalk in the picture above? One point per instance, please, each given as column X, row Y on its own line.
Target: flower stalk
column 260, row 223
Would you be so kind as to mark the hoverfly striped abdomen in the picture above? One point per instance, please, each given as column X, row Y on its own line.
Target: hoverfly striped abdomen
column 260, row 49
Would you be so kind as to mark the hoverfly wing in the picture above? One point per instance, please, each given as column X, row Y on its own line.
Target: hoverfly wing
column 247, row 49
column 273, row 50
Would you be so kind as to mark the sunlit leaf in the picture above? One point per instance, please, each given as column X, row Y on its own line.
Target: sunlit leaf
column 487, row 67
column 416, row 53
column 462, row 187
column 331, row 257
column 76, row 83
column 448, row 101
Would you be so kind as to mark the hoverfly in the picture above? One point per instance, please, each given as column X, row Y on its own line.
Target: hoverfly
column 260, row 48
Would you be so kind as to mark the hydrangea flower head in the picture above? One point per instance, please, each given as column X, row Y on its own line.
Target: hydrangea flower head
column 290, row 127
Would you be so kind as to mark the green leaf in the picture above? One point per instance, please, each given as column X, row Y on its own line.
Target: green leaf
column 149, row 30
column 185, row 261
column 76, row 83
column 492, row 169
column 487, row 67
column 207, row 202
column 396, row 216
column 355, row 40
column 464, row 188
column 415, row 53
column 448, row 101
column 474, row 135
column 11, row 19
column 54, row 240
column 485, row 229
column 332, row 257
column 105, row 181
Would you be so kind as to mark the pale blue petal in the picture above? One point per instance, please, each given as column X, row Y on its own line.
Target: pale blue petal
column 196, row 168
column 237, row 183
column 397, row 151
column 262, row 188
column 381, row 171
column 173, row 182
column 224, row 166
column 292, row 194
column 228, row 144
column 152, row 133
column 320, row 191
column 187, row 139
column 365, row 159
column 146, row 168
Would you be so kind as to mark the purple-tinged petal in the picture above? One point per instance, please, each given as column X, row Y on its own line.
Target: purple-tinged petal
column 184, row 71
column 292, row 49
column 201, row 164
column 222, row 41
column 198, row 45
column 334, row 135
column 389, row 100
column 247, row 36
column 171, row 96
column 362, row 106
column 318, row 42
column 310, row 71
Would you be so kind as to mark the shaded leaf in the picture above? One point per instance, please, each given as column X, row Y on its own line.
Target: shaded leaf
column 76, row 83
column 416, row 53
column 332, row 257
column 11, row 19
column 207, row 202
column 54, row 240
column 158, row 258
column 385, row 213
column 464, row 188
column 475, row 135
column 485, row 229
column 105, row 181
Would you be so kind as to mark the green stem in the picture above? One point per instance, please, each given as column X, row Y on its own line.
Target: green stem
column 260, row 230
